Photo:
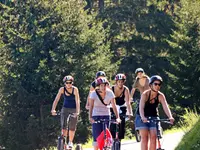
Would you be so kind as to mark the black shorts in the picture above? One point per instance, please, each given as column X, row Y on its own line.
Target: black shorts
column 121, row 126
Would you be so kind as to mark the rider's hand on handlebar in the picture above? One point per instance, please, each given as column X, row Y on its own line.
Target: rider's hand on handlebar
column 53, row 113
column 91, row 120
column 144, row 119
column 75, row 115
column 171, row 120
column 118, row 120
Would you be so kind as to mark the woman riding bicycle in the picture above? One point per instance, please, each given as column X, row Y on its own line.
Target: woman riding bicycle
column 122, row 97
column 141, row 82
column 99, row 101
column 99, row 74
column 71, row 105
column 148, row 107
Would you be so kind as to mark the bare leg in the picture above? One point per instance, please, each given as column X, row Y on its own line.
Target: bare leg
column 144, row 139
column 95, row 148
column 152, row 139
column 65, row 132
column 71, row 135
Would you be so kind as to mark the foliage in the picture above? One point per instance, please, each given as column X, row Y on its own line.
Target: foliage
column 41, row 42
column 184, row 54
column 191, row 139
column 188, row 120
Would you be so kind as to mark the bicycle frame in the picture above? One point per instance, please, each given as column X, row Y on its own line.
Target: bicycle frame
column 107, row 141
column 62, row 140
column 157, row 130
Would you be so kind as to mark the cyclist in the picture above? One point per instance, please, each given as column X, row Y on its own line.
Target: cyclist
column 99, row 101
column 93, row 86
column 123, row 102
column 148, row 107
column 141, row 82
column 71, row 105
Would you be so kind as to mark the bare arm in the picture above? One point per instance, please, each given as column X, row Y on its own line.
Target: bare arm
column 113, row 103
column 132, row 92
column 53, row 110
column 128, row 104
column 165, row 106
column 77, row 98
column 141, row 106
column 91, row 106
column 88, row 98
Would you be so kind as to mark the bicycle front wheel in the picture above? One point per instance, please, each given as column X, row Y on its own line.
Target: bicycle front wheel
column 116, row 145
column 137, row 136
column 60, row 145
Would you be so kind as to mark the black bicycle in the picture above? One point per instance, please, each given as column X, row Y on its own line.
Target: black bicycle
column 62, row 140
column 136, row 131
column 117, row 142
column 159, row 129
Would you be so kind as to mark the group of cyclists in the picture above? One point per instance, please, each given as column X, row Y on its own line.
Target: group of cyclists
column 105, row 102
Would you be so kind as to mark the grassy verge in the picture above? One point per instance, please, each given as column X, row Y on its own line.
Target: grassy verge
column 191, row 126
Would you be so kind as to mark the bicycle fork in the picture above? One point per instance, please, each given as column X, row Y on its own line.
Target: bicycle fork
column 158, row 138
column 64, row 139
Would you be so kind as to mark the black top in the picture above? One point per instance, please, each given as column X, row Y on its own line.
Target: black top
column 151, row 107
column 120, row 100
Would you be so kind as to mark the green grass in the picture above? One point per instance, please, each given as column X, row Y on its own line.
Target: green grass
column 191, row 126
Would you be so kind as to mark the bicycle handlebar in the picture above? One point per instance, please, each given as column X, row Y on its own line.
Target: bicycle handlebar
column 159, row 120
column 105, row 120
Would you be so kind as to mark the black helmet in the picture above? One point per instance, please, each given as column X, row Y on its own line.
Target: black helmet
column 100, row 73
column 155, row 78
column 139, row 70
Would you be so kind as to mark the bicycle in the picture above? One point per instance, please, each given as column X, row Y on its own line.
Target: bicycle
column 137, row 133
column 62, row 140
column 107, row 137
column 116, row 142
column 159, row 133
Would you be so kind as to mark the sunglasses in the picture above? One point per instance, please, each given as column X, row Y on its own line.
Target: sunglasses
column 157, row 84
column 68, row 82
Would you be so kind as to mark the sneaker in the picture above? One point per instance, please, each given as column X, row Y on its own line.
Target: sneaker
column 70, row 145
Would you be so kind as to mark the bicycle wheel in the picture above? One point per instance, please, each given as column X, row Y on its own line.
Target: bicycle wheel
column 137, row 136
column 116, row 145
column 60, row 145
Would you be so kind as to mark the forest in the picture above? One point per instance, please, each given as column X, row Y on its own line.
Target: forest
column 41, row 41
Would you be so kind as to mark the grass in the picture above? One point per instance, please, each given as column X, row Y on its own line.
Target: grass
column 190, row 124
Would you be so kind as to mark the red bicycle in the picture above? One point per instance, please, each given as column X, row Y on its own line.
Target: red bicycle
column 105, row 140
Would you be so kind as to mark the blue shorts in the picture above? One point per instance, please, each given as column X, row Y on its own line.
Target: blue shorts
column 139, row 124
column 97, row 128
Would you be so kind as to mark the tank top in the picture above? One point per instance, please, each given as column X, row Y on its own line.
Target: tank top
column 150, row 109
column 120, row 99
column 69, row 100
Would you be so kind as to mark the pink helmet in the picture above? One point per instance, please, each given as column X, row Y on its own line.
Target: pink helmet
column 101, row 80
column 120, row 76
column 68, row 78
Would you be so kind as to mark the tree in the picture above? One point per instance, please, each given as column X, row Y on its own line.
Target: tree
column 41, row 42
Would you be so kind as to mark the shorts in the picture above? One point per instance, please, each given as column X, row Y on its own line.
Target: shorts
column 97, row 128
column 72, row 120
column 139, row 124
column 121, row 126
